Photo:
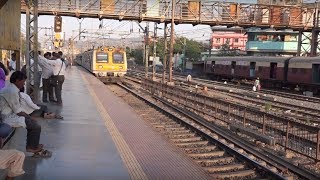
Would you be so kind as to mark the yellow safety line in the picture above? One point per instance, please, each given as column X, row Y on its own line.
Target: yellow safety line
column 134, row 168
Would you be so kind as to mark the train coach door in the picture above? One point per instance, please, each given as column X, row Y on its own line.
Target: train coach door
column 273, row 70
column 316, row 73
column 233, row 66
column 252, row 69
column 213, row 66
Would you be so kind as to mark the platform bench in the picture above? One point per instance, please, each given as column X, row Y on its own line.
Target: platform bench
column 4, row 140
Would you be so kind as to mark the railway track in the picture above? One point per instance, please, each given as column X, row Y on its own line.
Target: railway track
column 219, row 154
column 298, row 112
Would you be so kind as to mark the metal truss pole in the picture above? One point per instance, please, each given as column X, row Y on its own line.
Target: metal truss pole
column 299, row 43
column 165, row 52
column 315, row 32
column 171, row 41
column 146, row 50
column 32, row 49
column 154, row 51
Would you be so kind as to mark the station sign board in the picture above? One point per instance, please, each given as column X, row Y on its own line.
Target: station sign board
column 10, row 22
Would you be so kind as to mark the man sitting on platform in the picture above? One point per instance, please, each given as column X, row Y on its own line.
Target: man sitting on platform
column 13, row 115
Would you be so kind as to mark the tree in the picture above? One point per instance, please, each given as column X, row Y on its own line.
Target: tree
column 193, row 48
column 226, row 51
column 137, row 54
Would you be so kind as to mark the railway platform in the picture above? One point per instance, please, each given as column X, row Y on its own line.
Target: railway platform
column 101, row 138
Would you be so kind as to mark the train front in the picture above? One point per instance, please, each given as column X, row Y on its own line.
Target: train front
column 110, row 64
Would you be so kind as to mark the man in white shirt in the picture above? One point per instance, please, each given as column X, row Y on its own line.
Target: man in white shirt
column 13, row 115
column 47, row 72
column 59, row 68
column 12, row 62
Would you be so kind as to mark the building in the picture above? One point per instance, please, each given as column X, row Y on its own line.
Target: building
column 235, row 40
column 280, row 2
column 272, row 43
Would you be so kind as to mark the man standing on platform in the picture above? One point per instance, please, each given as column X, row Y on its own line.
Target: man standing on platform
column 47, row 72
column 12, row 62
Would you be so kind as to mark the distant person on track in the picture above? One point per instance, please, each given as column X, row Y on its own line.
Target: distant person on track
column 257, row 85
column 189, row 78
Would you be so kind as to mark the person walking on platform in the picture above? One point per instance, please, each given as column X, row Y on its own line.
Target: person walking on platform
column 13, row 115
column 13, row 161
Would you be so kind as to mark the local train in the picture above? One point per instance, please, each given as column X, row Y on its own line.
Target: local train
column 109, row 64
column 290, row 72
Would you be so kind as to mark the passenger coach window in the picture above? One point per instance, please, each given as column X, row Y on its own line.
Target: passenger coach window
column 118, row 58
column 102, row 57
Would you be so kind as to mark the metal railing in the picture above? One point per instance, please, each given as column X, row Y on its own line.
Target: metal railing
column 205, row 12
column 295, row 136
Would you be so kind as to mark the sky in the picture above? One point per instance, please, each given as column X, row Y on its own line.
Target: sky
column 114, row 28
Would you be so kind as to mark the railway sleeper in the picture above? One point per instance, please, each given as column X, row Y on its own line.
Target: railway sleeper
column 208, row 148
column 184, row 135
column 181, row 131
column 192, row 144
column 207, row 155
column 175, row 128
column 182, row 140
column 248, row 173
column 163, row 123
column 215, row 161
column 225, row 168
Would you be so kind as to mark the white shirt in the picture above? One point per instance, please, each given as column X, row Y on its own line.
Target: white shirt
column 56, row 66
column 12, row 64
column 31, row 65
column 10, row 106
column 47, row 69
column 27, row 104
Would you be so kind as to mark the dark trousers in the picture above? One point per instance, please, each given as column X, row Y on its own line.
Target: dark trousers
column 40, row 112
column 47, row 88
column 33, row 133
column 58, row 87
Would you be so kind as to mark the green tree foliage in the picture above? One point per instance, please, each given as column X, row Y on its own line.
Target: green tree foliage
column 226, row 51
column 193, row 49
column 137, row 54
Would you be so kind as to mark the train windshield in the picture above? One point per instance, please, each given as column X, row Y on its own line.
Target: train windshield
column 102, row 57
column 118, row 58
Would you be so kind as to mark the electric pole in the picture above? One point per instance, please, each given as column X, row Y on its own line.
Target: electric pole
column 184, row 54
column 171, row 41
column 147, row 50
column 154, row 51
column 165, row 52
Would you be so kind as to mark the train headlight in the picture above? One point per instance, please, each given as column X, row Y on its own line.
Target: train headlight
column 121, row 67
column 100, row 66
